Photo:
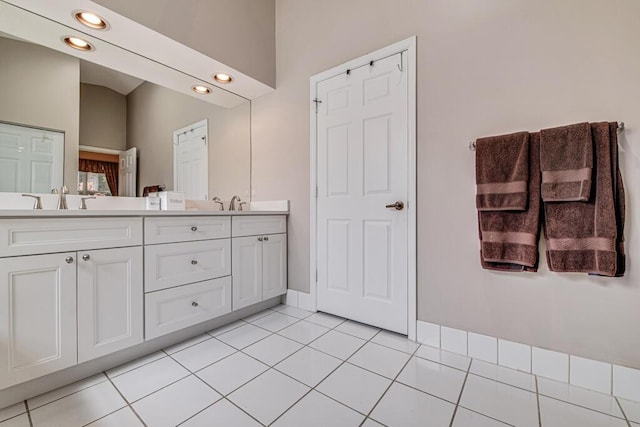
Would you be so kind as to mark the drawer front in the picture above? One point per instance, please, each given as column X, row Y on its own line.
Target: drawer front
column 170, row 230
column 256, row 225
column 172, row 309
column 176, row 264
column 40, row 236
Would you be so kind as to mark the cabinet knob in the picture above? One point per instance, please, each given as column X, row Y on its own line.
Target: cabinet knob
column 86, row 257
column 68, row 259
column 194, row 228
column 195, row 304
column 260, row 239
column 194, row 261
column 266, row 238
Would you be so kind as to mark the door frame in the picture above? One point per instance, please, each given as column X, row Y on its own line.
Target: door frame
column 408, row 46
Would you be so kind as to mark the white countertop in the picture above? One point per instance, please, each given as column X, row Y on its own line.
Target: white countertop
column 44, row 213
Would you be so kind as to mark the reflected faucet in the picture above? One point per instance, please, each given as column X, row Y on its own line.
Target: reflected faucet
column 232, row 204
column 62, row 200
column 218, row 201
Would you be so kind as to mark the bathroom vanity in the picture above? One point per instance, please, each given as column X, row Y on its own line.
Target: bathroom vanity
column 77, row 286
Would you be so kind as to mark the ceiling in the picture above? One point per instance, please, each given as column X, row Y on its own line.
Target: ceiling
column 98, row 75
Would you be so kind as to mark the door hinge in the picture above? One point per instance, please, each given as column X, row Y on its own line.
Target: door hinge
column 316, row 101
column 316, row 276
column 316, row 191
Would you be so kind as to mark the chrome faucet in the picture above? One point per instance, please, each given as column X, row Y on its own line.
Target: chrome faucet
column 232, row 204
column 37, row 204
column 62, row 200
column 218, row 201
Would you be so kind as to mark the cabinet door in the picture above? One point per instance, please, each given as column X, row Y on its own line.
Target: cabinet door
column 274, row 265
column 110, row 299
column 246, row 271
column 38, row 316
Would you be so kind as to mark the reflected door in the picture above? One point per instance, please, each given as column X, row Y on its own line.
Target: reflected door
column 191, row 161
column 362, row 172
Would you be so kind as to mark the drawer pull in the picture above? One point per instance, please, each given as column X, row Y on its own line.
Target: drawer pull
column 195, row 304
column 86, row 257
column 194, row 228
column 194, row 261
column 266, row 238
column 68, row 259
column 260, row 239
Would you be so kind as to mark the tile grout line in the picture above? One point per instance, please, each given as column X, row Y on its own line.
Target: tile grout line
column 457, row 404
column 538, row 402
column 311, row 389
column 129, row 404
column 26, row 407
column 624, row 414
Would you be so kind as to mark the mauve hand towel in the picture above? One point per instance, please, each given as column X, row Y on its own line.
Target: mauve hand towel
column 620, row 202
column 509, row 240
column 583, row 236
column 566, row 161
column 502, row 172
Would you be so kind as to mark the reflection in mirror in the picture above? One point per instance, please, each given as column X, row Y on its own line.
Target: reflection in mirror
column 31, row 159
column 103, row 113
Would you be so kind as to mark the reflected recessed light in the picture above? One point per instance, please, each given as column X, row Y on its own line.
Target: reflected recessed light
column 78, row 43
column 223, row 78
column 90, row 20
column 202, row 90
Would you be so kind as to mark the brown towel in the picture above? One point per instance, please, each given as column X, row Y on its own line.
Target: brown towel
column 619, row 197
column 502, row 172
column 509, row 240
column 566, row 159
column 582, row 237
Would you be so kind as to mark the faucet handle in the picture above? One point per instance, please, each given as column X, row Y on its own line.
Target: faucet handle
column 218, row 201
column 83, row 202
column 37, row 204
column 240, row 205
column 54, row 191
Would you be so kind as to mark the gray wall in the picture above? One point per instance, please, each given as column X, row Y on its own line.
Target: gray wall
column 154, row 113
column 40, row 88
column 103, row 117
column 238, row 33
column 484, row 67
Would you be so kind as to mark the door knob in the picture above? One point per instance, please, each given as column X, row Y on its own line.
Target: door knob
column 68, row 260
column 86, row 257
column 397, row 206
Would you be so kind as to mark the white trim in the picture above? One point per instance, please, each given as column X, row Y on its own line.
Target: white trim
column 301, row 300
column 100, row 150
column 409, row 47
column 624, row 382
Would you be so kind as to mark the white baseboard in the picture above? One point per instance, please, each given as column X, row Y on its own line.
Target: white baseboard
column 586, row 373
column 301, row 300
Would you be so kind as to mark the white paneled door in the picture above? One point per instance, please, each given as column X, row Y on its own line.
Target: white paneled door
column 362, row 179
column 191, row 161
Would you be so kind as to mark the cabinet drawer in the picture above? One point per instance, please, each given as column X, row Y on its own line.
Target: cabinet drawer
column 255, row 225
column 172, row 309
column 40, row 236
column 175, row 264
column 169, row 230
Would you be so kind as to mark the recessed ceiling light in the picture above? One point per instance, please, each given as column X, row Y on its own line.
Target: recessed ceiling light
column 202, row 90
column 223, row 78
column 90, row 20
column 78, row 43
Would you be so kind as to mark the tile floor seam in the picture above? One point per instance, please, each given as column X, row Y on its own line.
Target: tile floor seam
column 137, row 367
column 321, row 381
column 623, row 417
column 275, row 332
column 622, row 410
column 26, row 407
column 128, row 404
column 457, row 404
column 501, row 382
column 232, row 329
column 485, row 415
column 538, row 401
column 393, row 380
column 209, row 337
column 252, row 417
column 318, row 337
column 16, row 416
column 67, row 395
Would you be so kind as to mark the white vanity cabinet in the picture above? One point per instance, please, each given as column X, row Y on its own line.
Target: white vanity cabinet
column 110, row 298
column 259, row 260
column 38, row 309
column 187, row 272
column 64, row 308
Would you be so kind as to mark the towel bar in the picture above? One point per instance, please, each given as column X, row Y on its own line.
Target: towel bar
column 472, row 144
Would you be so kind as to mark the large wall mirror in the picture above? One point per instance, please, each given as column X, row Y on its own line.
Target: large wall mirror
column 102, row 112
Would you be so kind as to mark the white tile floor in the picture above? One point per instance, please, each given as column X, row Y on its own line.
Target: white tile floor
column 289, row 367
